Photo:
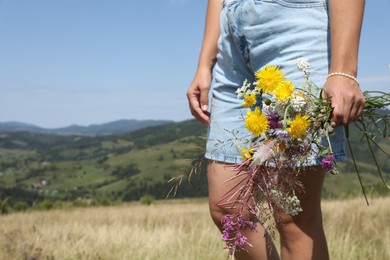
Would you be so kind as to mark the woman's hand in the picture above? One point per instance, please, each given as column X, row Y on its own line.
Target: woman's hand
column 198, row 91
column 198, row 95
column 346, row 97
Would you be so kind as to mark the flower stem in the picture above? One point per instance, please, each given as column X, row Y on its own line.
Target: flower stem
column 373, row 156
column 356, row 168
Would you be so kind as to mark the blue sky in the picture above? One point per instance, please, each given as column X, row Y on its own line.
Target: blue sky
column 66, row 62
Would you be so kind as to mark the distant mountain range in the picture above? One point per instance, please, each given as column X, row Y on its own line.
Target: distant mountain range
column 115, row 127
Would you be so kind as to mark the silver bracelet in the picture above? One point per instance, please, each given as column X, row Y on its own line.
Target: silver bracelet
column 344, row 75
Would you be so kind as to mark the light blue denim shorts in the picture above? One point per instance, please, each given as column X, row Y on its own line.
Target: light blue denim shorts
column 255, row 33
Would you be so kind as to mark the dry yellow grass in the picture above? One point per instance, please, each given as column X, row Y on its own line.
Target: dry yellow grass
column 357, row 231
column 173, row 230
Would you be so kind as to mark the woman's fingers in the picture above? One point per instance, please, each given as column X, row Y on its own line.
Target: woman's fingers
column 198, row 102
column 347, row 100
column 198, row 96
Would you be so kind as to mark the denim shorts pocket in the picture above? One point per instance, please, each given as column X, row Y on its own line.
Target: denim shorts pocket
column 297, row 3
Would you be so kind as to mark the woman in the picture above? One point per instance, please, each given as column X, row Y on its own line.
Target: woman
column 242, row 36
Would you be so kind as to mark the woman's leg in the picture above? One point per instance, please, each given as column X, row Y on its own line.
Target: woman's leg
column 218, row 174
column 302, row 237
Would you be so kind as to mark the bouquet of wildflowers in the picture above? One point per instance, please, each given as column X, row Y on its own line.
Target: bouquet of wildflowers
column 286, row 134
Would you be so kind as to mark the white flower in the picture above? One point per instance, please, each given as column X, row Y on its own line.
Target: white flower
column 302, row 64
column 288, row 204
column 298, row 103
column 280, row 108
column 243, row 89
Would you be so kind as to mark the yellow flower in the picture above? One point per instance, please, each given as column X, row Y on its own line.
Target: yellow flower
column 256, row 122
column 249, row 100
column 299, row 126
column 246, row 153
column 284, row 90
column 268, row 78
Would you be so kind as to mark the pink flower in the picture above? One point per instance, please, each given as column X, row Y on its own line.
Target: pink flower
column 328, row 162
column 273, row 120
column 241, row 240
column 225, row 236
column 251, row 225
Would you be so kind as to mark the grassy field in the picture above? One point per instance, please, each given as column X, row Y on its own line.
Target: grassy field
column 179, row 229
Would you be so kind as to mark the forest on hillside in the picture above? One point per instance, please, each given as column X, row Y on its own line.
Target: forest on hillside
column 124, row 167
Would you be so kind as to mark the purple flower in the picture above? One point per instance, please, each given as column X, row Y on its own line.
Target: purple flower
column 273, row 120
column 282, row 134
column 240, row 240
column 241, row 223
column 251, row 225
column 327, row 162
column 225, row 236
column 225, row 219
column 227, row 223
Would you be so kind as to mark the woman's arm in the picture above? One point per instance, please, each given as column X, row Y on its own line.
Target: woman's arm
column 197, row 93
column 345, row 25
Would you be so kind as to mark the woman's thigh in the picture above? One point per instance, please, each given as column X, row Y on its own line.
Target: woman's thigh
column 225, row 181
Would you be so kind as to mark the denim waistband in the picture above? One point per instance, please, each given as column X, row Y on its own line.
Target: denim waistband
column 290, row 3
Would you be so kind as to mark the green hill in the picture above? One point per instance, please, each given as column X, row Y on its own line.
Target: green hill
column 115, row 127
column 121, row 167
column 127, row 166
